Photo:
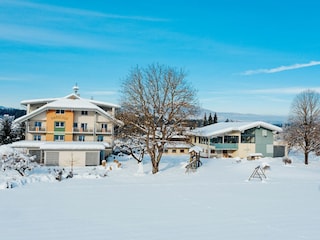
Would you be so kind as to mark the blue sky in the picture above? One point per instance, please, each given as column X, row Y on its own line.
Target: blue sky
column 241, row 56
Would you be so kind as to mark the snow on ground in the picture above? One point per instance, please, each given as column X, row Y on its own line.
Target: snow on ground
column 216, row 202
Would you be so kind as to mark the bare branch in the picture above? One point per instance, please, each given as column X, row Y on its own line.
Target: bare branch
column 155, row 101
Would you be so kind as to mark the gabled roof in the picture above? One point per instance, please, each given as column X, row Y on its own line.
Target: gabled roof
column 227, row 127
column 70, row 102
column 70, row 96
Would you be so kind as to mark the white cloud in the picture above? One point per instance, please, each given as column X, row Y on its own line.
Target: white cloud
column 76, row 11
column 2, row 78
column 293, row 90
column 42, row 36
column 263, row 91
column 282, row 68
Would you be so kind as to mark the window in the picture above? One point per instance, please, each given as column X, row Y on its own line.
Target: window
column 104, row 127
column 264, row 133
column 84, row 126
column 59, row 111
column 248, row 136
column 59, row 138
column 81, row 138
column 100, row 138
column 75, row 125
column 36, row 137
column 231, row 139
column 203, row 140
column 59, row 124
column 215, row 140
column 84, row 112
column 37, row 124
column 181, row 150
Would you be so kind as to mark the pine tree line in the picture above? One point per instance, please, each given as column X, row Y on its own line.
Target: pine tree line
column 210, row 120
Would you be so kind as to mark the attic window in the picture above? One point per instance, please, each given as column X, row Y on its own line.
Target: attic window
column 59, row 111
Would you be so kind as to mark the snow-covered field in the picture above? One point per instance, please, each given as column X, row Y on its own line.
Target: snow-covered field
column 216, row 202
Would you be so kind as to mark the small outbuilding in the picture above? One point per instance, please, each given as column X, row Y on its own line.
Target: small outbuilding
column 64, row 154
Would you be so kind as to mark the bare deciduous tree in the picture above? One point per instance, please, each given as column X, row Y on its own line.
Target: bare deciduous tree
column 303, row 130
column 155, row 101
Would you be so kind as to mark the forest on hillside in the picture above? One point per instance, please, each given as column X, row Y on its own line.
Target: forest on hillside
column 12, row 112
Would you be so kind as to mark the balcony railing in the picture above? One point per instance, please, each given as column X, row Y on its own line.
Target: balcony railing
column 75, row 130
column 36, row 129
column 103, row 130
column 226, row 146
column 83, row 130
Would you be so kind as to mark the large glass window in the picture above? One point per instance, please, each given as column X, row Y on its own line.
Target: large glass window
column 216, row 140
column 248, row 136
column 231, row 139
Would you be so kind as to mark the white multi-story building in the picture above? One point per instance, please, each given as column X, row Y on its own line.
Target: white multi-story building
column 68, row 130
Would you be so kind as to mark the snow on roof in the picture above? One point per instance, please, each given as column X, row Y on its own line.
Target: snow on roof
column 226, row 127
column 196, row 149
column 27, row 144
column 61, row 145
column 77, row 104
column 70, row 96
column 74, row 146
column 104, row 104
column 70, row 102
column 40, row 100
column 177, row 144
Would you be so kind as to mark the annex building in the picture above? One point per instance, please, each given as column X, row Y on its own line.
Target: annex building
column 68, row 131
column 238, row 139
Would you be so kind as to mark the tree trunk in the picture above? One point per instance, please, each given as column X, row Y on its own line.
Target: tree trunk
column 155, row 167
column 306, row 157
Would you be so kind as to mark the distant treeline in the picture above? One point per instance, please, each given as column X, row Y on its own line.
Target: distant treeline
column 12, row 112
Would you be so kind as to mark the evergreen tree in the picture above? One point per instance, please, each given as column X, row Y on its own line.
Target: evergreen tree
column 9, row 132
column 215, row 118
column 205, row 121
column 210, row 120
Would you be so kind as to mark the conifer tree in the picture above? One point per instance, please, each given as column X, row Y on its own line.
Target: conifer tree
column 205, row 121
column 210, row 120
column 215, row 118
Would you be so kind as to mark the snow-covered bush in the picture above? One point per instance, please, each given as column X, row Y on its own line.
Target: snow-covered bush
column 16, row 160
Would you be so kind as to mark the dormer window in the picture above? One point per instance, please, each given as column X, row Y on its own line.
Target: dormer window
column 59, row 111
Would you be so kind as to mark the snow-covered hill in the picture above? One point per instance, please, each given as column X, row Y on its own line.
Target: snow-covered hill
column 223, row 116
